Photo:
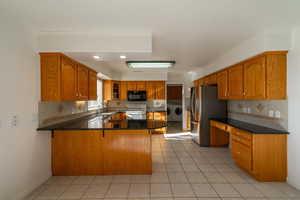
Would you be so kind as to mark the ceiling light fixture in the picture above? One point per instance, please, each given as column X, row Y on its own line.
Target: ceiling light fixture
column 150, row 64
column 96, row 57
column 123, row 57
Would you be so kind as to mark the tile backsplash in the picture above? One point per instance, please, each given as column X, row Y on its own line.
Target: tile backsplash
column 150, row 104
column 273, row 114
column 53, row 112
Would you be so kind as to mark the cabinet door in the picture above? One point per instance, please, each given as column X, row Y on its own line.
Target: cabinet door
column 242, row 155
column 77, row 153
column 255, row 79
column 140, row 85
column 160, row 90
column 150, row 87
column 160, row 116
column 69, row 80
column 107, row 90
column 150, row 116
column 222, row 80
column 116, row 88
column 276, row 76
column 134, row 158
column 131, row 85
column 123, row 90
column 211, row 79
column 236, row 82
column 92, row 85
column 50, row 75
column 82, row 82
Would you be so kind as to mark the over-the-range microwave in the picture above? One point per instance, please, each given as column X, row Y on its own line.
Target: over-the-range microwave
column 137, row 96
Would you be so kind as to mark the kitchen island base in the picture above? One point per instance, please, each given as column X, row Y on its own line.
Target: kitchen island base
column 101, row 152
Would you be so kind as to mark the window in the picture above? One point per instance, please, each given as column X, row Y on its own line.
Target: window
column 96, row 104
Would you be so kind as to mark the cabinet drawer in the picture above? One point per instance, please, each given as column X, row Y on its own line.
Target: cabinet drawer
column 241, row 134
column 241, row 140
column 242, row 155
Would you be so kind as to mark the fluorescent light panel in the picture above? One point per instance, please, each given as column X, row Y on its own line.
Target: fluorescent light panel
column 150, row 64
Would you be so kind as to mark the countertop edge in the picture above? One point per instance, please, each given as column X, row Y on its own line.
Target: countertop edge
column 271, row 132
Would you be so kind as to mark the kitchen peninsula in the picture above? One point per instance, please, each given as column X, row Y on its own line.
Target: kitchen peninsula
column 98, row 145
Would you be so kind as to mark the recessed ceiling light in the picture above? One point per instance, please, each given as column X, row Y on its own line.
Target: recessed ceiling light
column 96, row 57
column 123, row 57
column 150, row 64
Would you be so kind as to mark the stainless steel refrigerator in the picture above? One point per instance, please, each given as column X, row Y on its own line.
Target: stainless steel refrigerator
column 205, row 105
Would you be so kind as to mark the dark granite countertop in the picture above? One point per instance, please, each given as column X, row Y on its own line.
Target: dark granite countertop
column 98, row 122
column 252, row 128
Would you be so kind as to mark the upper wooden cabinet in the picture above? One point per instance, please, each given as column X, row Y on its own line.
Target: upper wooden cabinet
column 116, row 90
column 92, row 85
column 156, row 90
column 64, row 79
column 255, row 78
column 131, row 85
column 276, row 76
column 262, row 77
column 222, row 81
column 140, row 85
column 123, row 90
column 236, row 82
column 69, row 80
column 83, row 82
column 51, row 77
column 211, row 80
column 150, row 88
column 160, row 90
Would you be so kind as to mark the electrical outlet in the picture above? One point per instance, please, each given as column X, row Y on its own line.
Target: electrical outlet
column 271, row 113
column 14, row 121
column 248, row 110
column 277, row 114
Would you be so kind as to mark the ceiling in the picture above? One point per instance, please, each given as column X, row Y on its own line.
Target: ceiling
column 191, row 32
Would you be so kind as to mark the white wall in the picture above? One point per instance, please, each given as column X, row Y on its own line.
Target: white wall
column 25, row 154
column 251, row 47
column 145, row 75
column 294, row 111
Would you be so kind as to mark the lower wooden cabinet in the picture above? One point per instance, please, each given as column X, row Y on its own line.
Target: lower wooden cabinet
column 134, row 158
column 264, row 156
column 77, row 153
column 87, row 152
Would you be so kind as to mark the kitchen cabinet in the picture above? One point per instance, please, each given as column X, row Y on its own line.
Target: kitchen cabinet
column 51, row 77
column 160, row 116
column 160, row 90
column 263, row 77
column 92, row 85
column 131, row 86
column 107, row 90
column 69, row 80
column 82, row 82
column 119, row 116
column 140, row 85
column 210, row 80
column 222, row 82
column 63, row 79
column 174, row 92
column 255, row 78
column 263, row 155
column 127, row 152
column 77, row 153
column 116, row 90
column 236, row 82
column 150, row 88
column 276, row 76
column 101, row 152
column 123, row 90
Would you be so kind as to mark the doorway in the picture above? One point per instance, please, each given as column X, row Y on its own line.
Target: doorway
column 174, row 108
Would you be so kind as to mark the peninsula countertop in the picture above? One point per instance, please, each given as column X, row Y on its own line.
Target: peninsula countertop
column 98, row 122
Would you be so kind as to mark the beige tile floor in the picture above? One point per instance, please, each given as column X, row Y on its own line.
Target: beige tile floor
column 181, row 171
